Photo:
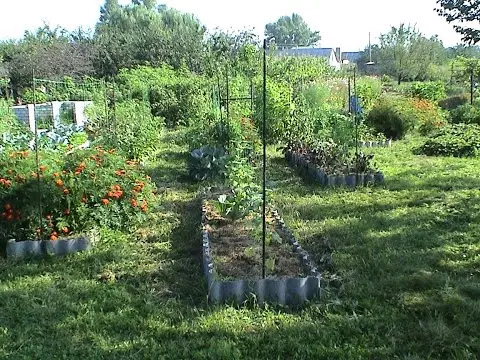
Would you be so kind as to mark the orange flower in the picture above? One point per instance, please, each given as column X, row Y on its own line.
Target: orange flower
column 56, row 174
column 66, row 191
column 120, row 172
column 84, row 199
column 117, row 194
column 59, row 183
column 133, row 202
column 105, row 201
column 53, row 237
column 43, row 168
column 67, row 212
column 65, row 230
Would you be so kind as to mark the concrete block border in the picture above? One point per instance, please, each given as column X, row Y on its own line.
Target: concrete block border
column 22, row 249
column 297, row 161
column 370, row 144
column 286, row 291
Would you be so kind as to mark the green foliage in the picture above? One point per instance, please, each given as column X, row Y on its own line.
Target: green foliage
column 134, row 130
column 453, row 102
column 8, row 122
column 244, row 197
column 291, row 30
column 180, row 97
column 433, row 91
column 207, row 163
column 468, row 114
column 37, row 96
column 461, row 12
column 78, row 190
column 279, row 110
column 459, row 140
column 389, row 117
column 167, row 36
column 368, row 90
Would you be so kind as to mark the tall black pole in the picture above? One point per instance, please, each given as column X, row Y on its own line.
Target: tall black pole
column 264, row 182
column 37, row 156
column 228, row 96
column 355, row 104
column 471, row 86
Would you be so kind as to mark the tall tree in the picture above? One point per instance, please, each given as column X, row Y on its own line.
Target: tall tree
column 463, row 12
column 291, row 30
column 141, row 34
column 406, row 54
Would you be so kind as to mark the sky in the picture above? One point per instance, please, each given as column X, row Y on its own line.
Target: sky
column 341, row 23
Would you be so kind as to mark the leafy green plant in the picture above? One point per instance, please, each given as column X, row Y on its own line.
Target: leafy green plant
column 391, row 116
column 369, row 90
column 468, row 114
column 78, row 191
column 429, row 90
column 207, row 163
column 244, row 197
column 453, row 102
column 459, row 140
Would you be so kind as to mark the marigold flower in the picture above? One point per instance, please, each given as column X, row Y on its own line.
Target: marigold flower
column 53, row 237
column 42, row 168
column 56, row 174
column 59, row 183
column 105, row 201
column 133, row 202
column 66, row 191
column 65, row 230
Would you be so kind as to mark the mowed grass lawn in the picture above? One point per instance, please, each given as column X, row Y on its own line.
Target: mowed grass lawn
column 401, row 264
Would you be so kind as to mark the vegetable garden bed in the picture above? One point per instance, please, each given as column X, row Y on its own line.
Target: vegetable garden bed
column 351, row 179
column 233, row 267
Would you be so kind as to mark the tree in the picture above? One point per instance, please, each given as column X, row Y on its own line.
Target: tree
column 462, row 11
column 142, row 34
column 291, row 30
column 52, row 52
column 406, row 54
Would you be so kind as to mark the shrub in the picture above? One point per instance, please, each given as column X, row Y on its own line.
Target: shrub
column 431, row 90
column 78, row 191
column 391, row 118
column 179, row 97
column 453, row 102
column 279, row 110
column 460, row 140
column 428, row 116
column 468, row 114
column 132, row 130
column 368, row 90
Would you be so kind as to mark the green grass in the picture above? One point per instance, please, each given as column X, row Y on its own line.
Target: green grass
column 402, row 265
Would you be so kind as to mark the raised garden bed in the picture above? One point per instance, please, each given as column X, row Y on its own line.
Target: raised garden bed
column 370, row 144
column 233, row 266
column 35, row 248
column 351, row 179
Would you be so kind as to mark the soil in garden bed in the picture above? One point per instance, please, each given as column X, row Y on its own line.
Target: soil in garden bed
column 237, row 252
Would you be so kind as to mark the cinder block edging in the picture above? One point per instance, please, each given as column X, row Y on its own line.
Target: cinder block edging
column 289, row 291
column 21, row 249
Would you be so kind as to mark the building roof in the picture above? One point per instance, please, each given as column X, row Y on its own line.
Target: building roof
column 351, row 56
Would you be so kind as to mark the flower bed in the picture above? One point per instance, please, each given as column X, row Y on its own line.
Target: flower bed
column 78, row 191
column 234, row 275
